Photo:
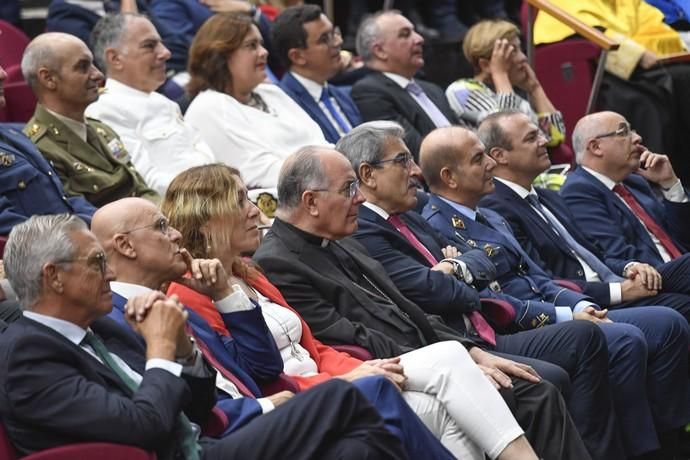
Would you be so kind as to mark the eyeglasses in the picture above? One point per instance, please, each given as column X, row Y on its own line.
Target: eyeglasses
column 98, row 261
column 329, row 37
column 624, row 130
column 403, row 159
column 162, row 225
column 349, row 192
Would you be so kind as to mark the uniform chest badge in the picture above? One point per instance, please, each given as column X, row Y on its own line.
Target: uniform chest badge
column 457, row 222
column 117, row 148
column 267, row 203
column 6, row 159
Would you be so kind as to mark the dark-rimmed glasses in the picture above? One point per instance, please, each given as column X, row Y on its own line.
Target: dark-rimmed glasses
column 329, row 37
column 623, row 130
column 402, row 159
column 349, row 192
column 98, row 261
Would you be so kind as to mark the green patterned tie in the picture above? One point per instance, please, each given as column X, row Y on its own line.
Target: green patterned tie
column 183, row 428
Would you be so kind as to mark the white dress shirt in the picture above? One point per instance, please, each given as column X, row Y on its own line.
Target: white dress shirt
column 161, row 144
column 315, row 89
column 403, row 82
column 76, row 334
column 237, row 301
column 675, row 194
column 615, row 289
column 251, row 140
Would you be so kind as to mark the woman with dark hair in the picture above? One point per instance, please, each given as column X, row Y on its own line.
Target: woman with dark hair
column 249, row 124
column 208, row 205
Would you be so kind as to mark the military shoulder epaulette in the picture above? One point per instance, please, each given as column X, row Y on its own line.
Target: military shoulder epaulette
column 35, row 131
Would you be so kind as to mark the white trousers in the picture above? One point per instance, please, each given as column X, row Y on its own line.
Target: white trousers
column 457, row 402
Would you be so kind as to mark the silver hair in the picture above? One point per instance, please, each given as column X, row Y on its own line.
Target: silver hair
column 108, row 33
column 37, row 55
column 365, row 143
column 367, row 34
column 34, row 243
column 301, row 171
column 583, row 132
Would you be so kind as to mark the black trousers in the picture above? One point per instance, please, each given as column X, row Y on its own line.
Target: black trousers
column 330, row 421
column 580, row 349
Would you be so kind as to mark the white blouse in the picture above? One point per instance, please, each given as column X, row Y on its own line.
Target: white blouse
column 286, row 329
column 249, row 139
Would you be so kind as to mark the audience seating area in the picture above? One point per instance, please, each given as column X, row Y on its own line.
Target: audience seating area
column 570, row 72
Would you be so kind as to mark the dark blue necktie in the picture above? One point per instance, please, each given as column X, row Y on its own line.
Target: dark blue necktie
column 590, row 259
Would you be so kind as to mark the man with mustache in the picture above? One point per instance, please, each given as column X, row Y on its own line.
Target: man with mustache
column 630, row 201
column 651, row 402
column 392, row 49
column 549, row 233
column 88, row 155
column 161, row 143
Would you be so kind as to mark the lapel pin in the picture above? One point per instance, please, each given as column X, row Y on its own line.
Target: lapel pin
column 458, row 223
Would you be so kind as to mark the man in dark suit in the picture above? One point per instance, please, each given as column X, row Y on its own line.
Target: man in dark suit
column 309, row 48
column 347, row 297
column 392, row 49
column 92, row 384
column 458, row 171
column 145, row 254
column 631, row 202
column 546, row 229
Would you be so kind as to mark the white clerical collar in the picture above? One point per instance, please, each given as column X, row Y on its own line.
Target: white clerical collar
column 517, row 188
column 313, row 88
column 377, row 209
column 607, row 181
column 70, row 331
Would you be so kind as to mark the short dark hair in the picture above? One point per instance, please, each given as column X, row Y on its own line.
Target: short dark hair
column 492, row 134
column 288, row 31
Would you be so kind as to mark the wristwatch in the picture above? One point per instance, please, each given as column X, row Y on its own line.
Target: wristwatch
column 460, row 270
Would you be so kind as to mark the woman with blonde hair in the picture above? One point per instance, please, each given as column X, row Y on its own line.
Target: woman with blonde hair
column 493, row 48
column 209, row 206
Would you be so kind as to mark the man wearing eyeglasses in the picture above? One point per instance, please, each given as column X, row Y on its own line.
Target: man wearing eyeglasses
column 651, row 340
column 546, row 229
column 630, row 202
column 309, row 47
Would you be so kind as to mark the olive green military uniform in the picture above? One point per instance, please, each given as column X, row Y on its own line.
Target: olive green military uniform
column 99, row 169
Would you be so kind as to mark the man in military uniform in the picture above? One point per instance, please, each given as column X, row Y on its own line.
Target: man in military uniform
column 28, row 183
column 459, row 173
column 87, row 155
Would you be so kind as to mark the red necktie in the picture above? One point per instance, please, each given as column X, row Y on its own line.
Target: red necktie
column 653, row 228
column 208, row 354
column 480, row 325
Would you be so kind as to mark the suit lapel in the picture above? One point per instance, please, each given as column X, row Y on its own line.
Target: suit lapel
column 310, row 105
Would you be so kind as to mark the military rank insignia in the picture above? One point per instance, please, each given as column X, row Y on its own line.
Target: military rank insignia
column 6, row 159
column 490, row 250
column 541, row 320
column 458, row 223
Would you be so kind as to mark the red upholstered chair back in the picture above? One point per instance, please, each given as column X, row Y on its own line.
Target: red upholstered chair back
column 6, row 448
column 566, row 71
column 12, row 44
column 20, row 103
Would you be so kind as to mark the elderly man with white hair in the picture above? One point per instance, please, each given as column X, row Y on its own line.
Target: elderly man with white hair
column 129, row 49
